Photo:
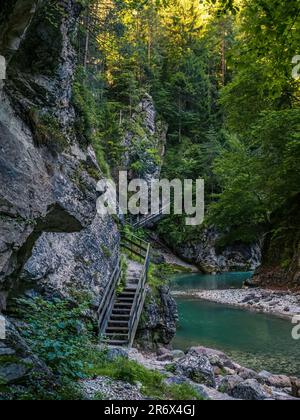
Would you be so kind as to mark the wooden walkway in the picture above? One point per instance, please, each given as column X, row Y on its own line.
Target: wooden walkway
column 119, row 314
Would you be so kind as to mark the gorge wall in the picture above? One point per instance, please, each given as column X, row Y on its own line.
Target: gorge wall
column 205, row 252
column 281, row 252
column 51, row 236
column 52, row 241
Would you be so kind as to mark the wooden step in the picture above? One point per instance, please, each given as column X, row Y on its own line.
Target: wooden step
column 121, row 312
column 123, row 306
column 121, row 327
column 119, row 317
column 124, row 300
column 116, row 330
column 118, row 323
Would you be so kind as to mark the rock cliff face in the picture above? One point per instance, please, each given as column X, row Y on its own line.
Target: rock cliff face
column 144, row 142
column 281, row 252
column 206, row 254
column 50, row 235
column 159, row 321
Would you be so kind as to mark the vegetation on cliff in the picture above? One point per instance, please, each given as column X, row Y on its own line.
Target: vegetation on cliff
column 221, row 77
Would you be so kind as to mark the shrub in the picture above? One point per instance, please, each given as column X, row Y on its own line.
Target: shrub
column 56, row 332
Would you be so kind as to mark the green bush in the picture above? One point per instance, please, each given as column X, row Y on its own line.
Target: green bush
column 153, row 382
column 58, row 334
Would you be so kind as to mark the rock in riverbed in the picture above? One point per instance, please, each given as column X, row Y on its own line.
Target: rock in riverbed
column 215, row 376
column 197, row 368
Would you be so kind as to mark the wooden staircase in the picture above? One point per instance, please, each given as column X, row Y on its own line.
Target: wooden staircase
column 119, row 314
column 117, row 331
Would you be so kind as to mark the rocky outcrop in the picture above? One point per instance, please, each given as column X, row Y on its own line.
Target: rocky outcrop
column 159, row 319
column 63, row 263
column 18, row 362
column 210, row 258
column 281, row 252
column 196, row 367
column 215, row 376
column 144, row 142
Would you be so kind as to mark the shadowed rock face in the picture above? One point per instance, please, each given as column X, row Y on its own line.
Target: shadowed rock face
column 15, row 19
column 50, row 235
column 147, row 133
column 281, row 253
column 206, row 254
column 159, row 321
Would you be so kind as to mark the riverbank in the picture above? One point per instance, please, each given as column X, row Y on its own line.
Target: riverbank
column 169, row 257
column 282, row 304
column 215, row 376
column 200, row 373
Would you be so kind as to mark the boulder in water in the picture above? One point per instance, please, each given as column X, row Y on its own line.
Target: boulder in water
column 197, row 368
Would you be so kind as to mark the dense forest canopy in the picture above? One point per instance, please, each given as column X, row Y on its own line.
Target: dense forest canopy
column 220, row 73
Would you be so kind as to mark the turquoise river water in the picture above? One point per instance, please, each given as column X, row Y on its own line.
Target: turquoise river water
column 255, row 340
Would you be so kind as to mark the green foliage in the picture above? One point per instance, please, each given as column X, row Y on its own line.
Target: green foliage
column 124, row 273
column 47, row 131
column 90, row 114
column 221, row 76
column 106, row 251
column 59, row 334
column 258, row 168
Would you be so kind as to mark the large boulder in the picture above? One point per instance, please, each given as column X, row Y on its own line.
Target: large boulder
column 228, row 383
column 216, row 358
column 159, row 321
column 246, row 373
column 251, row 390
column 276, row 381
column 211, row 394
column 197, row 368
column 13, row 372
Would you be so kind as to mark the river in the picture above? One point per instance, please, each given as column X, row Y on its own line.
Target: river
column 257, row 341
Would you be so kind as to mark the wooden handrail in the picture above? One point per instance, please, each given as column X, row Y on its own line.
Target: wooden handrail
column 152, row 217
column 142, row 249
column 136, row 246
column 139, row 300
column 109, row 298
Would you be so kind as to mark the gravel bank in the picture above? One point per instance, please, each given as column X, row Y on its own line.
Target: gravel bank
column 109, row 389
column 282, row 304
